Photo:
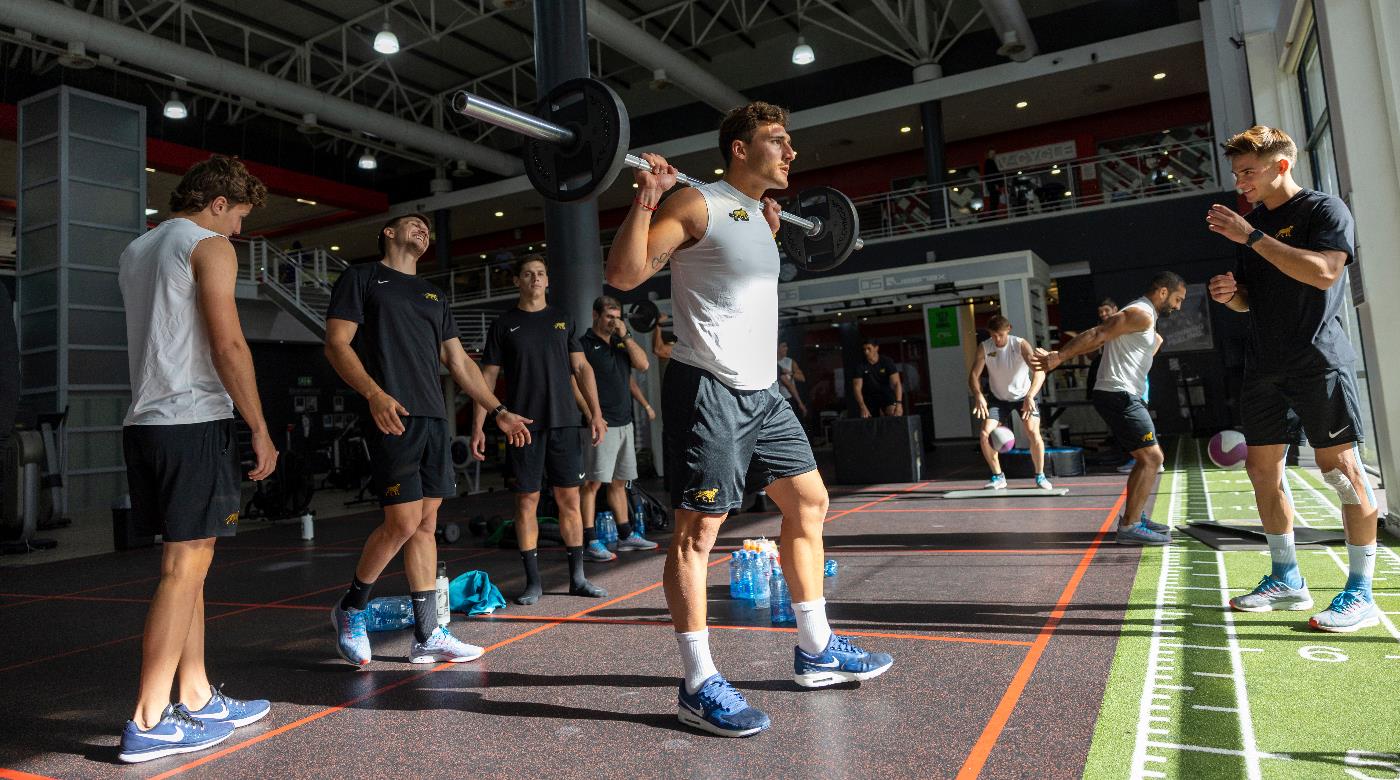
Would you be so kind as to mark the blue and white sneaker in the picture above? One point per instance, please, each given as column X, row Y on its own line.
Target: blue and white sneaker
column 351, row 634
column 1140, row 534
column 597, row 551
column 224, row 709
column 997, row 482
column 1160, row 528
column 176, row 732
column 1273, row 594
column 719, row 708
column 443, row 646
column 1351, row 610
column 842, row 661
column 636, row 542
column 1042, row 483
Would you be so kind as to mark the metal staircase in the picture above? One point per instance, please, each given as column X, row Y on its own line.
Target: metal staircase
column 299, row 283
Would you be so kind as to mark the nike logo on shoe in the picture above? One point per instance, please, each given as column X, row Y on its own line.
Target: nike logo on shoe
column 829, row 665
column 1338, row 432
column 383, row 281
column 222, row 713
column 514, row 329
column 178, row 736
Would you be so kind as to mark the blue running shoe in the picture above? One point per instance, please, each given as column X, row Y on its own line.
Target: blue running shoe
column 1042, row 483
column 997, row 482
column 1140, row 534
column 636, row 542
column 223, row 709
column 719, row 708
column 1160, row 528
column 1273, row 594
column 441, row 647
column 597, row 551
column 176, row 732
column 351, row 634
column 842, row 661
column 1351, row 610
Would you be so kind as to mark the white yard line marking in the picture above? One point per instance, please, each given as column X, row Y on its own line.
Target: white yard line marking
column 1209, row 708
column 1216, row 751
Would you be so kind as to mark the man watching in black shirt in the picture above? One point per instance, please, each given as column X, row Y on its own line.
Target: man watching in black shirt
column 877, row 384
column 387, row 331
column 1289, row 280
column 614, row 355
column 534, row 343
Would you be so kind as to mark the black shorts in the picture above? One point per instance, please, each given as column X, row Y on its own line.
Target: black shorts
column 556, row 452
column 183, row 479
column 1006, row 412
column 414, row 465
column 718, row 438
column 1127, row 418
column 1326, row 403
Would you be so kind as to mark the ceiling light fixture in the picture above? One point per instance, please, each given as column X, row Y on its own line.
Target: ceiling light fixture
column 368, row 161
column 306, row 202
column 1158, row 76
column 151, row 211
column 386, row 42
column 500, row 214
column 719, row 171
column 1022, row 104
column 335, row 248
column 906, row 129
column 802, row 54
column 150, row 170
column 174, row 107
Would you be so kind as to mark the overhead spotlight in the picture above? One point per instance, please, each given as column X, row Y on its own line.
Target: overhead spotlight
column 335, row 247
column 500, row 214
column 174, row 107
column 306, row 201
column 386, row 42
column 1022, row 104
column 976, row 203
column 460, row 170
column 150, row 211
column 635, row 185
column 483, row 257
column 1158, row 76
column 1069, row 194
column 368, row 161
column 719, row 171
column 150, row 170
column 906, row 129
column 309, row 125
column 659, row 82
column 76, row 57
column 952, row 170
column 802, row 54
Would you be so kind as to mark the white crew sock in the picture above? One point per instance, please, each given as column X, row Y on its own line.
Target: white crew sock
column 1361, row 560
column 695, row 654
column 813, row 632
column 1283, row 554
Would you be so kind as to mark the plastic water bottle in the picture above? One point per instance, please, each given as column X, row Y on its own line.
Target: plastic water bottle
column 763, row 565
column 830, row 568
column 606, row 526
column 736, row 575
column 389, row 613
column 780, row 604
column 639, row 515
column 444, row 606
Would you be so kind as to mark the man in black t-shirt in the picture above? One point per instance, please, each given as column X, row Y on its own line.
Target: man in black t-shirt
column 614, row 355
column 387, row 332
column 534, row 343
column 1289, row 279
column 876, row 384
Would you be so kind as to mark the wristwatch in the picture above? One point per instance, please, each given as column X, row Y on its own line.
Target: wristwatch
column 494, row 412
column 1254, row 237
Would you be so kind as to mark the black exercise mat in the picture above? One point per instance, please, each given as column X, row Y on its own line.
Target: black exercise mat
column 1220, row 536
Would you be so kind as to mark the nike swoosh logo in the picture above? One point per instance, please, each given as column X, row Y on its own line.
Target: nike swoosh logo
column 699, row 713
column 514, row 329
column 1338, row 432
column 383, row 281
column 178, row 736
column 221, row 714
column 580, row 476
column 830, row 665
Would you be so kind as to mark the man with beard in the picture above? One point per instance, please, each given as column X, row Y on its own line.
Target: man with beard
column 1129, row 340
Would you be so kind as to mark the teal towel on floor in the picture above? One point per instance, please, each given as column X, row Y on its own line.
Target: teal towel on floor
column 472, row 592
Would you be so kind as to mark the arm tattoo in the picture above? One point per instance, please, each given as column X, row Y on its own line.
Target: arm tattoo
column 660, row 260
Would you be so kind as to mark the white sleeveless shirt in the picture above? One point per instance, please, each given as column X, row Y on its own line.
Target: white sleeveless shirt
column 1128, row 358
column 173, row 381
column 724, row 293
column 1007, row 373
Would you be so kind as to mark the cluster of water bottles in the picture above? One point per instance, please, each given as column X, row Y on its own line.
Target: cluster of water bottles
column 391, row 613
column 756, row 580
column 605, row 524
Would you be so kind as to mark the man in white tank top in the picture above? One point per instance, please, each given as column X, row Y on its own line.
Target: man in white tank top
column 721, row 409
column 187, row 357
column 1014, row 386
column 1129, row 340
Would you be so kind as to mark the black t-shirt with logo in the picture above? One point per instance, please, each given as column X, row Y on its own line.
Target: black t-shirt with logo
column 403, row 321
column 612, row 370
column 876, row 387
column 1295, row 327
column 533, row 348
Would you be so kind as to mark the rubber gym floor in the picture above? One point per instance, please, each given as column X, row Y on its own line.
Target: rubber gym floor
column 1026, row 645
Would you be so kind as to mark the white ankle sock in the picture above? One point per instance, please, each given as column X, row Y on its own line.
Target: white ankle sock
column 813, row 632
column 695, row 654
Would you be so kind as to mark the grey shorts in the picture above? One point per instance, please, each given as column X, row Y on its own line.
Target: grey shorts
column 615, row 457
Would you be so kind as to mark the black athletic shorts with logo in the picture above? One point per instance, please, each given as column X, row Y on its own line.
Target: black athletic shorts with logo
column 183, row 479
column 1326, row 402
column 1127, row 418
column 557, row 452
column 1007, row 412
column 718, row 438
column 414, row 465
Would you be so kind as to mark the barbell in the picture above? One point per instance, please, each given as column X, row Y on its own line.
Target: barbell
column 578, row 147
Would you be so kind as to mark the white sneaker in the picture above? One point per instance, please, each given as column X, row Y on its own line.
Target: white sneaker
column 997, row 482
column 636, row 542
column 1042, row 483
column 442, row 646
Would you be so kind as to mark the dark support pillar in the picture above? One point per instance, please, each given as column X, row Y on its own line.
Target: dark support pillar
column 931, row 115
column 442, row 238
column 575, row 251
column 851, row 359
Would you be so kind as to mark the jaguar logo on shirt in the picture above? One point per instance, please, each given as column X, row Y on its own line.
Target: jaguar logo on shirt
column 560, row 326
column 232, row 519
column 1147, row 436
column 1284, row 232
column 430, row 296
column 706, row 496
column 392, row 490
column 739, row 215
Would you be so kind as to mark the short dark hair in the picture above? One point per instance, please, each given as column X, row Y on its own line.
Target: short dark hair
column 216, row 177
column 871, row 342
column 1109, row 302
column 998, row 323
column 605, row 302
column 518, row 267
column 394, row 221
column 1262, row 141
column 1167, row 279
column 740, row 124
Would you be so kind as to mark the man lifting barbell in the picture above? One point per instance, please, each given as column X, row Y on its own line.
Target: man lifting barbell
column 721, row 408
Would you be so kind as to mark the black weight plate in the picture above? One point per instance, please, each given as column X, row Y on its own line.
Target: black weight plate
column 451, row 533
column 591, row 162
column 840, row 228
column 642, row 316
